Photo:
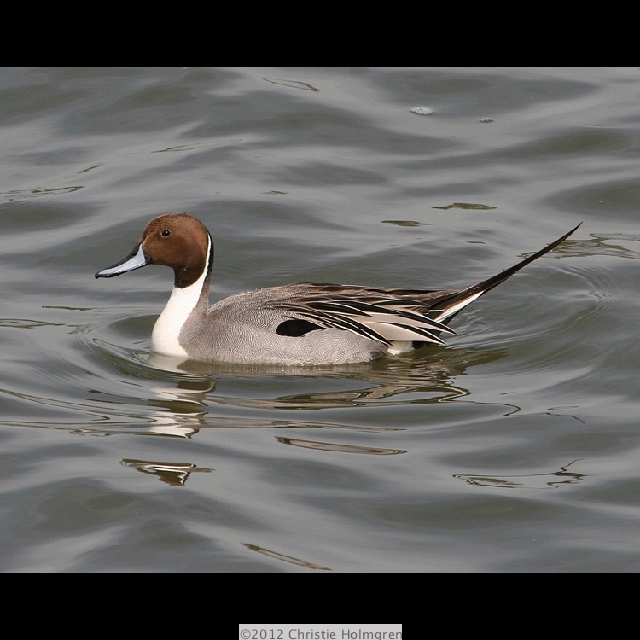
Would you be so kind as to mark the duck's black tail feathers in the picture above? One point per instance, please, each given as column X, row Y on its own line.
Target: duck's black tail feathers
column 449, row 307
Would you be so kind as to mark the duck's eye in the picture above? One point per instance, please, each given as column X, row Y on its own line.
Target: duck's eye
column 166, row 233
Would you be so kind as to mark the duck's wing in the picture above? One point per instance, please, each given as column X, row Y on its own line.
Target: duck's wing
column 384, row 314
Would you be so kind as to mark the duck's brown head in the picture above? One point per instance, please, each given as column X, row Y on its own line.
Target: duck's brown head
column 176, row 240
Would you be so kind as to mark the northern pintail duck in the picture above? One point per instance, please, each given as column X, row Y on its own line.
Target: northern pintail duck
column 303, row 323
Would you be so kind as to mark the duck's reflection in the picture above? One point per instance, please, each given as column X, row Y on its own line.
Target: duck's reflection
column 184, row 404
column 401, row 380
column 184, row 395
column 184, row 398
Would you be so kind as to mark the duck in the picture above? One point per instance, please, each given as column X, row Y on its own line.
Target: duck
column 302, row 323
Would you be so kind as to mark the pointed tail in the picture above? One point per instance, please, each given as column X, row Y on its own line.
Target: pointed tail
column 451, row 306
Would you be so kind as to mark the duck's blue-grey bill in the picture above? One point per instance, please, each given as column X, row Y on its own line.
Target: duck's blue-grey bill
column 134, row 260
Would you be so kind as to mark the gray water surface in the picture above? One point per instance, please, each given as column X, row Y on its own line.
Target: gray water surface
column 513, row 448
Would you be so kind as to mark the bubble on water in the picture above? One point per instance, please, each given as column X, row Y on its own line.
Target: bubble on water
column 421, row 111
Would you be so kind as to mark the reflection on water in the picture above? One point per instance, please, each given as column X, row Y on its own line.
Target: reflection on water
column 183, row 396
column 611, row 245
column 415, row 379
column 421, row 378
column 550, row 480
column 466, row 205
column 22, row 323
column 186, row 405
column 599, row 245
column 344, row 448
column 294, row 84
column 290, row 559
column 175, row 474
column 21, row 194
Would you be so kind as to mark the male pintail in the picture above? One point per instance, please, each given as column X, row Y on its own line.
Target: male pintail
column 296, row 324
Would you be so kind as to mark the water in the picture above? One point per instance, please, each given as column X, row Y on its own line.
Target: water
column 513, row 448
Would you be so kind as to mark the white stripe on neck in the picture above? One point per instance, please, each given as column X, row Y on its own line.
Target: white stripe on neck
column 182, row 302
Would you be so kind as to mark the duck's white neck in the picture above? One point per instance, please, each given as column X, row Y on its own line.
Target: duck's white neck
column 181, row 304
